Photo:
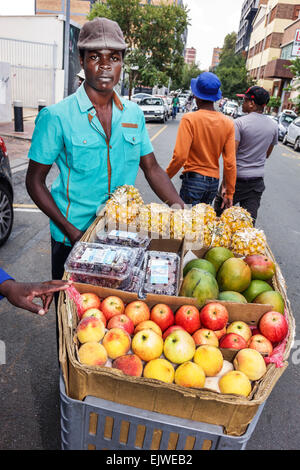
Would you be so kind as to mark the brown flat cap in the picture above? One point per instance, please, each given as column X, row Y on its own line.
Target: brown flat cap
column 101, row 33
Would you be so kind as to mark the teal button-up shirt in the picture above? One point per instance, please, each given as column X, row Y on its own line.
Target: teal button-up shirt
column 69, row 134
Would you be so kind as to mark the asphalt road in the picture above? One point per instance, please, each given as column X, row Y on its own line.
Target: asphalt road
column 29, row 401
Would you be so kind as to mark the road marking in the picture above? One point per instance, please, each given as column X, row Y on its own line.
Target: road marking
column 19, row 168
column 26, row 208
column 157, row 133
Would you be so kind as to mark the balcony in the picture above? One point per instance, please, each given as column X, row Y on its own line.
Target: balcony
column 276, row 69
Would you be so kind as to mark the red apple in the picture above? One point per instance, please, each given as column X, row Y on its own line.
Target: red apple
column 214, row 316
column 273, row 326
column 111, row 306
column 171, row 329
column 205, row 336
column 232, row 341
column 95, row 312
column 188, row 317
column 121, row 321
column 162, row 315
column 137, row 311
column 261, row 344
column 90, row 300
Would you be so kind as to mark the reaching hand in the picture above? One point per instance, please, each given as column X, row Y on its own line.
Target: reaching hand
column 227, row 202
column 21, row 294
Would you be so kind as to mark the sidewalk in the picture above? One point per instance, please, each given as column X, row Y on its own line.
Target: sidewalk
column 7, row 129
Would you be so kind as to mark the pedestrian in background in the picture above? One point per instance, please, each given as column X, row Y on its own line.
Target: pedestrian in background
column 201, row 139
column 175, row 102
column 255, row 137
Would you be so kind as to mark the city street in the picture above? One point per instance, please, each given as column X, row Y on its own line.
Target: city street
column 29, row 402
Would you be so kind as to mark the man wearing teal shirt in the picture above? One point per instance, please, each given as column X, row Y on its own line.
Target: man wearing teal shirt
column 97, row 140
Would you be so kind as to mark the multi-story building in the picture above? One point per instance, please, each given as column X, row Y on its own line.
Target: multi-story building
column 190, row 55
column 215, row 57
column 268, row 26
column 249, row 10
column 79, row 9
column 282, row 76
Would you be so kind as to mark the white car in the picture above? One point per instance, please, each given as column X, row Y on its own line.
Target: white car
column 230, row 108
column 168, row 110
column 137, row 97
column 293, row 135
column 153, row 109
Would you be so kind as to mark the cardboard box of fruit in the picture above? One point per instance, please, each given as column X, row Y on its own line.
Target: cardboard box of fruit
column 202, row 401
column 164, row 358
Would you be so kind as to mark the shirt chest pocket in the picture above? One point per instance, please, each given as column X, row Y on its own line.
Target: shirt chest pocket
column 132, row 146
column 86, row 153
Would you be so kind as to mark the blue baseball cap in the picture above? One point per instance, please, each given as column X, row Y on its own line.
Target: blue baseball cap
column 207, row 87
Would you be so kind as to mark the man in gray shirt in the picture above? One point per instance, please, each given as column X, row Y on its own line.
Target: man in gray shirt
column 255, row 137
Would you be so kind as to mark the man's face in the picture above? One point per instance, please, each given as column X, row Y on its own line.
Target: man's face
column 102, row 68
column 247, row 105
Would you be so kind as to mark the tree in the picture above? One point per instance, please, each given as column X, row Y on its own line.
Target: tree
column 153, row 35
column 189, row 71
column 295, row 84
column 232, row 69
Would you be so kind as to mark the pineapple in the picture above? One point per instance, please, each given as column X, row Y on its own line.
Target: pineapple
column 204, row 212
column 249, row 241
column 124, row 204
column 155, row 218
column 217, row 234
column 237, row 218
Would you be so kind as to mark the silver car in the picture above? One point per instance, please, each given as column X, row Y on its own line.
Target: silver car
column 293, row 135
column 154, row 109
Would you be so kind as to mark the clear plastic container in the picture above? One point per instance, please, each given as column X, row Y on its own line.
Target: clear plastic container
column 103, row 265
column 161, row 273
column 124, row 238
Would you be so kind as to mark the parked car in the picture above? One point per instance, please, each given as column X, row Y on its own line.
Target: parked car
column 137, row 97
column 230, row 108
column 168, row 109
column 285, row 118
column 293, row 134
column 6, row 195
column 153, row 108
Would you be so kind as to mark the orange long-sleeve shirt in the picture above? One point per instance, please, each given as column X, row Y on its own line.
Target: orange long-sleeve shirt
column 201, row 139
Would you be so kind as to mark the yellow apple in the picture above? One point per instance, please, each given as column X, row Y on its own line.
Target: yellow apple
column 210, row 359
column 235, row 382
column 179, row 347
column 116, row 342
column 159, row 369
column 92, row 354
column 251, row 362
column 90, row 329
column 190, row 374
column 147, row 345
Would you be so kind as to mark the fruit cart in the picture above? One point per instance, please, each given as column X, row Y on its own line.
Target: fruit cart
column 103, row 408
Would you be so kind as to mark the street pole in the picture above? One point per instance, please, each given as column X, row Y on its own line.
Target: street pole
column 66, row 47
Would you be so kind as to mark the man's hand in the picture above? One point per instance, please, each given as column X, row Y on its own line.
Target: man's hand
column 74, row 235
column 227, row 202
column 21, row 294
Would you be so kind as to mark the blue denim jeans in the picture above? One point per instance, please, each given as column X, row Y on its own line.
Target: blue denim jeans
column 198, row 188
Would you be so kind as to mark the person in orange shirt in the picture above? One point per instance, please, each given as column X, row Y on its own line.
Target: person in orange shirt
column 202, row 137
